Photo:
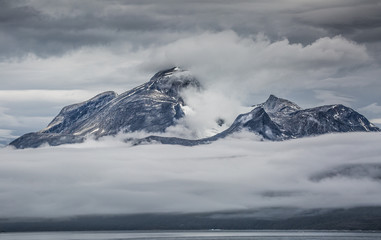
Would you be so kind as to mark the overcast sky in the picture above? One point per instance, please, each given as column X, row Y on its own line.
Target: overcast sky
column 55, row 53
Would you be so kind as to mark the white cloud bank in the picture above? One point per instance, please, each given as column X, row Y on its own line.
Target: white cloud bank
column 254, row 64
column 232, row 174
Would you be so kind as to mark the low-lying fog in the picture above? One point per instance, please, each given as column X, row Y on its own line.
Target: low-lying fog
column 238, row 173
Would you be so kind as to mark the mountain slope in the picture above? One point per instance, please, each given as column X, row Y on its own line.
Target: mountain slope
column 151, row 107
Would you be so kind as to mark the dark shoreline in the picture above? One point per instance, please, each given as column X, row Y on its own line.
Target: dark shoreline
column 359, row 218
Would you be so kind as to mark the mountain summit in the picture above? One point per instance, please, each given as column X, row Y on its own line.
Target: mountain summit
column 158, row 104
column 295, row 122
column 274, row 104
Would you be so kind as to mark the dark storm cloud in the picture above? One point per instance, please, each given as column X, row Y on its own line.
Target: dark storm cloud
column 359, row 21
column 11, row 15
column 32, row 29
column 54, row 27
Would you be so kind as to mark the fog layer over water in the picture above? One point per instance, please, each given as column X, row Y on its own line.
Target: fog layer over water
column 238, row 173
column 185, row 235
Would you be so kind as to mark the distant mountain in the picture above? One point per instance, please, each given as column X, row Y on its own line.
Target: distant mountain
column 157, row 104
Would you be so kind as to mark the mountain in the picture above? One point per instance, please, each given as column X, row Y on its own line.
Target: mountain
column 157, row 104
column 152, row 107
column 280, row 119
column 295, row 122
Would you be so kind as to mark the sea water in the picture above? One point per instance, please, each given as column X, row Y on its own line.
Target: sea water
column 192, row 235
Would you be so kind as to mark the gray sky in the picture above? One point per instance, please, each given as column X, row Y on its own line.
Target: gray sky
column 54, row 53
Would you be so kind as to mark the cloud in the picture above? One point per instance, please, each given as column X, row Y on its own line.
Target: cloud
column 55, row 28
column 353, row 19
column 54, row 96
column 376, row 121
column 374, row 108
column 24, row 111
column 247, row 63
column 203, row 110
column 5, row 136
column 232, row 174
column 85, row 69
column 330, row 97
column 255, row 65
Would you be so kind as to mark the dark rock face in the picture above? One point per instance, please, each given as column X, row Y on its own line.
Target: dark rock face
column 151, row 107
column 71, row 117
column 295, row 122
column 257, row 121
column 38, row 139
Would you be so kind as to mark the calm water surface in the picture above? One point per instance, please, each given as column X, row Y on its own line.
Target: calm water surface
column 192, row 235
